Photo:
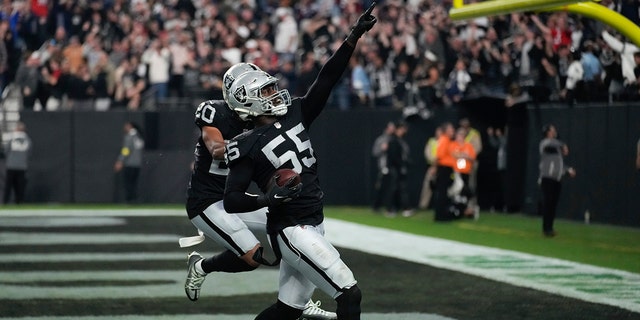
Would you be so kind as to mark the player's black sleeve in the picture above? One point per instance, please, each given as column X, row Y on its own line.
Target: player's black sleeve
column 236, row 199
column 318, row 94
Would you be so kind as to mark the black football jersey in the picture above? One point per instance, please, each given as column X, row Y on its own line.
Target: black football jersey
column 208, row 176
column 283, row 144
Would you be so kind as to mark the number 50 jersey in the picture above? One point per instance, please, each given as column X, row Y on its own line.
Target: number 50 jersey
column 282, row 144
column 209, row 175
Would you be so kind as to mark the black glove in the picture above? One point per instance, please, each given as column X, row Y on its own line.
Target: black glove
column 277, row 194
column 364, row 24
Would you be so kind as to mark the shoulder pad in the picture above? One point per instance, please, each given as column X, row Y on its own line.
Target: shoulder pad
column 210, row 110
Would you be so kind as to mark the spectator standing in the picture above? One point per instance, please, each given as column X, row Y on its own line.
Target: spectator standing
column 379, row 152
column 498, row 141
column 430, row 40
column 575, row 74
column 445, row 162
column 491, row 56
column 402, row 83
column 556, row 27
column 430, row 86
column 472, row 135
column 626, row 51
column 457, row 83
column 130, row 159
column 428, row 183
column 79, row 89
column 552, row 170
column 381, row 79
column 129, row 84
column 592, row 70
column 465, row 156
column 561, row 60
column 398, row 164
column 360, row 84
column 286, row 31
column 103, row 75
column 74, row 54
column 158, row 61
column 17, row 151
column 52, row 73
column 612, row 70
column 180, row 59
column 27, row 79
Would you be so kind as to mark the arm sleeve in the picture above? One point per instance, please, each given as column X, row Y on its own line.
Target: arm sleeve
column 236, row 199
column 316, row 98
column 615, row 44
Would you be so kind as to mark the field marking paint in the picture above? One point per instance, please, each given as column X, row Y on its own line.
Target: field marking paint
column 148, row 284
column 570, row 279
column 88, row 213
column 53, row 222
column 90, row 257
column 368, row 316
column 48, row 238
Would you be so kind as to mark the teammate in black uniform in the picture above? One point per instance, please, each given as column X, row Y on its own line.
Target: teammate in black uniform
column 237, row 233
column 295, row 217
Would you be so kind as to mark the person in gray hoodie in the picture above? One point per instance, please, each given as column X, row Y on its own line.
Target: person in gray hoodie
column 129, row 160
column 552, row 170
column 17, row 151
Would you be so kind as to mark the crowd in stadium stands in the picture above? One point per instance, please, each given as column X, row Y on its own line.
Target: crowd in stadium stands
column 101, row 55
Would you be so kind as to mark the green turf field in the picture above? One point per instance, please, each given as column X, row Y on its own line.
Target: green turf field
column 596, row 244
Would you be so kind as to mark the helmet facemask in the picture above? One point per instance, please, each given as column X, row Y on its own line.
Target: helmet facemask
column 256, row 93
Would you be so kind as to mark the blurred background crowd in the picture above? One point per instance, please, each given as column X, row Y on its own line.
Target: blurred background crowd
column 109, row 54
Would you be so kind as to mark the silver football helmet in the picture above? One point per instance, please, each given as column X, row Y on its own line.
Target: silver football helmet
column 256, row 93
column 233, row 73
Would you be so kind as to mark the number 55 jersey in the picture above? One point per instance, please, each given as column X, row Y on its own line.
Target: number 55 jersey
column 282, row 144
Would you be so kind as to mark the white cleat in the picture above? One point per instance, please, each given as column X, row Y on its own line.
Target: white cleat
column 194, row 281
column 312, row 311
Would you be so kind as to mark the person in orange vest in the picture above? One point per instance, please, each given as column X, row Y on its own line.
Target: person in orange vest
column 465, row 156
column 444, row 173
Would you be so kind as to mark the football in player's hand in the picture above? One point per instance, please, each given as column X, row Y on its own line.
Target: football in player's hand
column 287, row 177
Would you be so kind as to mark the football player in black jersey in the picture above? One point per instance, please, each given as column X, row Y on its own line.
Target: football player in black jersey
column 295, row 218
column 236, row 232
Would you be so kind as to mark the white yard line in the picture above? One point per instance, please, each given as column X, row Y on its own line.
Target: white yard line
column 368, row 316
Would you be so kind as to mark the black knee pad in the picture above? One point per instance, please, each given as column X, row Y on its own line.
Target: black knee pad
column 279, row 311
column 349, row 303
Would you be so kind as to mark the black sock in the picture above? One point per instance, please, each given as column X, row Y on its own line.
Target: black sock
column 349, row 304
column 226, row 261
column 279, row 311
